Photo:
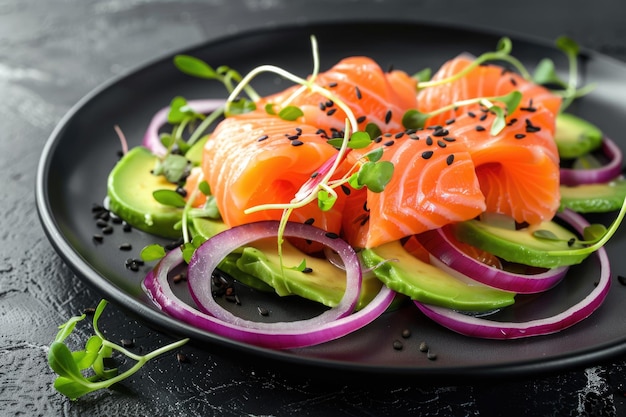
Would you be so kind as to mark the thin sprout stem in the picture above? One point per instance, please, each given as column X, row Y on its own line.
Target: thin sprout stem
column 197, row 133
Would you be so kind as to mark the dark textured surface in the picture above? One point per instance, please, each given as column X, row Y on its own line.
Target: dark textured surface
column 54, row 52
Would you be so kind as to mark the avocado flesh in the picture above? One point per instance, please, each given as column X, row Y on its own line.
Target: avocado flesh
column 520, row 246
column 194, row 154
column 325, row 284
column 594, row 198
column 129, row 188
column 576, row 137
column 420, row 281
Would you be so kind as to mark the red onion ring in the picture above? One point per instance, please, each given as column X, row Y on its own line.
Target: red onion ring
column 598, row 175
column 445, row 254
column 281, row 335
column 151, row 137
column 489, row 329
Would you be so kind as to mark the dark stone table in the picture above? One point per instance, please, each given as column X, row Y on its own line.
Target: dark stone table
column 53, row 52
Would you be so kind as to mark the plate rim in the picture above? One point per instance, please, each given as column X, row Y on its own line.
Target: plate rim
column 162, row 323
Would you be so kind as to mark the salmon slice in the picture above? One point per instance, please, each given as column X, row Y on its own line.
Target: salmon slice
column 518, row 169
column 483, row 81
column 373, row 95
column 255, row 158
column 434, row 184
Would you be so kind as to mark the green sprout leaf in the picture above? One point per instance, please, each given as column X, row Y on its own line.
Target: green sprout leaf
column 290, row 113
column 269, row 109
column 594, row 232
column 567, row 45
column 180, row 111
column 325, row 200
column 374, row 155
column 152, row 252
column 204, row 188
column 423, row 75
column 358, row 140
column 375, row 175
column 546, row 235
column 194, row 67
column 169, row 198
column 173, row 167
column 545, row 74
column 373, row 130
column 240, row 106
column 414, row 119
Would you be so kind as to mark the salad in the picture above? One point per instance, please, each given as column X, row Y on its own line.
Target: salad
column 365, row 190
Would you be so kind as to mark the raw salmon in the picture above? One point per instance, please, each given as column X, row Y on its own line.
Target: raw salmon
column 255, row 158
column 486, row 80
column 373, row 95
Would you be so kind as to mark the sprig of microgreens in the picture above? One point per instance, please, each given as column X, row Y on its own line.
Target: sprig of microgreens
column 545, row 73
column 70, row 366
column 594, row 236
column 414, row 119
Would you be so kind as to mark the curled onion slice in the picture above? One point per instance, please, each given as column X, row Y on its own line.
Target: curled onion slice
column 489, row 329
column 330, row 325
column 603, row 174
column 151, row 138
column 445, row 254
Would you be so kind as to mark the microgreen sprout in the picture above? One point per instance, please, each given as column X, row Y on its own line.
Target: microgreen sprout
column 71, row 367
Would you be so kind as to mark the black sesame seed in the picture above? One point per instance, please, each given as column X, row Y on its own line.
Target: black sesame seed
column 331, row 112
column 450, row 121
column 357, row 91
column 126, row 227
column 387, row 135
column 483, row 117
column 471, row 114
column 309, row 221
column 406, row 333
column 429, row 140
column 530, row 128
column 297, row 142
column 621, row 279
column 449, row 139
column 480, row 128
column 397, row 345
column 98, row 238
column 423, row 347
column 262, row 138
column 388, row 116
column 399, row 135
column 329, row 103
column 107, row 230
column 427, row 154
column 332, row 235
column 441, row 144
column 293, row 137
column 520, row 136
column 513, row 82
column 102, row 223
column 431, row 356
column 414, row 136
column 378, row 139
column 307, row 270
column 322, row 106
column 361, row 119
column 332, row 85
column 125, row 246
column 440, row 132
column 346, row 190
column 263, row 311
column 450, row 159
column 389, row 143
column 181, row 191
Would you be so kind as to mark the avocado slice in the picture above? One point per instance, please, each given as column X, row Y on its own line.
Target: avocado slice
column 521, row 245
column 129, row 188
column 594, row 198
column 576, row 137
column 324, row 284
column 194, row 153
column 426, row 283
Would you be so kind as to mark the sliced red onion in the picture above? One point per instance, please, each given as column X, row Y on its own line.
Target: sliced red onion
column 598, row 175
column 151, row 138
column 489, row 329
column 445, row 255
column 330, row 325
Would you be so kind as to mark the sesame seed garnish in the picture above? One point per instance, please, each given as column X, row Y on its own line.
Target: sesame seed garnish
column 297, row 142
column 450, row 121
column 427, row 154
column 332, row 85
column 358, row 92
column 125, row 246
column 414, row 136
column 293, row 137
column 331, row 112
column 330, row 103
column 389, row 143
column 440, row 132
column 450, row 159
column 307, row 270
column 365, row 208
column 483, row 117
column 388, row 116
column 387, row 135
column 397, row 345
column 346, row 190
column 361, row 119
column 449, row 139
column 399, row 135
column 480, row 128
column 520, row 136
column 513, row 81
column 309, row 221
column 322, row 106
column 441, row 144
column 331, row 235
column 378, row 139
column 530, row 128
column 429, row 140
column 471, row 114
column 621, row 279
column 262, row 138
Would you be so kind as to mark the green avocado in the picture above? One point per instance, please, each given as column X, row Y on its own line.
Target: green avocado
column 522, row 245
column 325, row 283
column 194, row 154
column 594, row 198
column 420, row 281
column 129, row 188
column 576, row 137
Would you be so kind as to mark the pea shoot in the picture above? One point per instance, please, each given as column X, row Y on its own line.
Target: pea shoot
column 72, row 367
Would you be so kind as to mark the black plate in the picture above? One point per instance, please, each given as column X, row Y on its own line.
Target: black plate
column 83, row 149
